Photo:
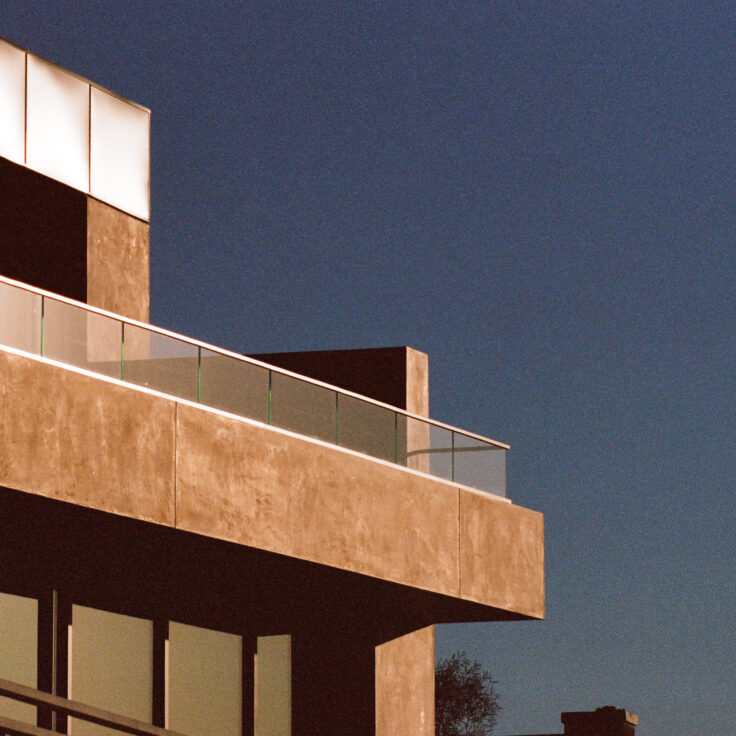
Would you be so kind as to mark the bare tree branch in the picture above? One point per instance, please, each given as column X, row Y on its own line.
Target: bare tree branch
column 466, row 703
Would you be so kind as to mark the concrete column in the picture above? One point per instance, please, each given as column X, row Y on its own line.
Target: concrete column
column 405, row 685
column 57, row 238
column 118, row 264
column 417, row 382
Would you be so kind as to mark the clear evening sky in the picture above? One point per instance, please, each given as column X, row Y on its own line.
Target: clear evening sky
column 542, row 196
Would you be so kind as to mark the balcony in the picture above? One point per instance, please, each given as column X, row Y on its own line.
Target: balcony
column 75, row 334
column 231, row 448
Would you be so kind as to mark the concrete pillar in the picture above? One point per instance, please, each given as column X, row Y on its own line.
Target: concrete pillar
column 341, row 684
column 118, row 261
column 60, row 239
column 405, row 685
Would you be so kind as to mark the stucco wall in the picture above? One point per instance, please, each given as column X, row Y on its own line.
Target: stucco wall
column 91, row 442
column 70, row 437
column 405, row 685
column 501, row 555
column 117, row 261
column 262, row 488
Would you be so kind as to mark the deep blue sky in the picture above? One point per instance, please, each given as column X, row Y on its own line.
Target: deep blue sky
column 543, row 198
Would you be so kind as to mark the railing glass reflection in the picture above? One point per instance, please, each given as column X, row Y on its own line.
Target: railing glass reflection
column 234, row 385
column 72, row 333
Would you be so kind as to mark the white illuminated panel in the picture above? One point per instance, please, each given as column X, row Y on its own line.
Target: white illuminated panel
column 57, row 126
column 12, row 102
column 69, row 130
column 120, row 153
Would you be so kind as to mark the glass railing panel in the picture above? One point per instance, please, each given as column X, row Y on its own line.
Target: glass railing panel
column 72, row 334
column 20, row 318
column 161, row 362
column 81, row 338
column 400, row 456
column 367, row 428
column 234, row 385
column 302, row 407
column 428, row 448
column 440, row 453
column 479, row 464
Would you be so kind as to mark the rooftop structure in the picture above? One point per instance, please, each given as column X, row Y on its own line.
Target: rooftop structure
column 605, row 721
column 194, row 539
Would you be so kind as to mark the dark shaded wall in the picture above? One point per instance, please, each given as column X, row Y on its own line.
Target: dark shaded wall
column 62, row 240
column 43, row 232
column 604, row 721
column 397, row 375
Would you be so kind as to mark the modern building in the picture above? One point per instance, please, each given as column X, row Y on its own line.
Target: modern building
column 197, row 540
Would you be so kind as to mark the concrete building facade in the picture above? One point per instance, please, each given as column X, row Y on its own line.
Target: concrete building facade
column 201, row 541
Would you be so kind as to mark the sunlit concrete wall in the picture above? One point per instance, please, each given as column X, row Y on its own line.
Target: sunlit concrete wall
column 426, row 551
column 95, row 443
column 405, row 685
column 72, row 131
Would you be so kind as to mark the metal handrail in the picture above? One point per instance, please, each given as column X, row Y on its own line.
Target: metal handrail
column 64, row 706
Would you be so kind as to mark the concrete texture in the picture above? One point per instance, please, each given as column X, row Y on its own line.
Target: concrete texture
column 417, row 382
column 335, row 619
column 84, row 440
column 258, row 487
column 74, row 438
column 255, row 532
column 405, row 685
column 118, row 261
column 501, row 554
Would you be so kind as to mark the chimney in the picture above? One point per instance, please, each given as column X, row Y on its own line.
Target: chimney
column 605, row 721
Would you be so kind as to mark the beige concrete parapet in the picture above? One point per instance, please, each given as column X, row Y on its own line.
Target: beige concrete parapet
column 99, row 443
column 70, row 437
column 501, row 555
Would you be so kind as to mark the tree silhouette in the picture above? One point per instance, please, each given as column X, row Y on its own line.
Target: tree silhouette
column 466, row 703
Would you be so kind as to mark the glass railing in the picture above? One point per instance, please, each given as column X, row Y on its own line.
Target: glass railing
column 73, row 333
